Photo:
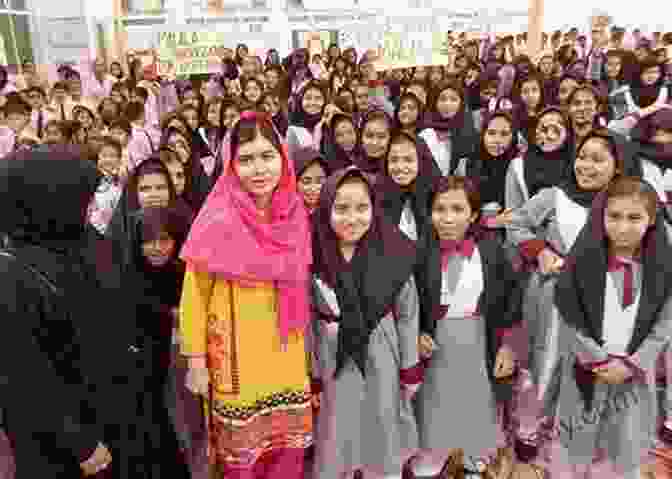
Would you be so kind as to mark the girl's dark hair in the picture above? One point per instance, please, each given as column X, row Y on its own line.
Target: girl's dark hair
column 624, row 186
column 462, row 183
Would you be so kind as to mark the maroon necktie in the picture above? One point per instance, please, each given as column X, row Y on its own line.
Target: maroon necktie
column 617, row 264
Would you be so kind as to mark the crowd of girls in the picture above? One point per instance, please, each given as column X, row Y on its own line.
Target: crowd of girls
column 339, row 271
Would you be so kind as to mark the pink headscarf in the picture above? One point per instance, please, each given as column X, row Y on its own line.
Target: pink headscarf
column 229, row 240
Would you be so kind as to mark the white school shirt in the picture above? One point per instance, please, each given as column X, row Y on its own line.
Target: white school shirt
column 464, row 300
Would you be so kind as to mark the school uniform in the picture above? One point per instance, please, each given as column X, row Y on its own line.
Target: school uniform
column 451, row 141
column 365, row 354
column 659, row 178
column 299, row 137
column 441, row 146
column 534, row 170
column 478, row 301
column 363, row 422
column 626, row 316
column 622, row 101
column 549, row 219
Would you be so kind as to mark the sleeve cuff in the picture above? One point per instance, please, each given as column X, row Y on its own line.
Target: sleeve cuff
column 505, row 337
column 590, row 363
column 413, row 375
column 530, row 249
column 503, row 333
column 633, row 363
column 489, row 221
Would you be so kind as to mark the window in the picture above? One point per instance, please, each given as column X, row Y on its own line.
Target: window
column 14, row 4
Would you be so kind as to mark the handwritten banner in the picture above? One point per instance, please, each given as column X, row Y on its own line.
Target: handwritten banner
column 191, row 53
column 416, row 38
column 404, row 50
column 197, row 52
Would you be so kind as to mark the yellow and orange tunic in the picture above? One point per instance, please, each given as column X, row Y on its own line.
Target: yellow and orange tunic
column 259, row 399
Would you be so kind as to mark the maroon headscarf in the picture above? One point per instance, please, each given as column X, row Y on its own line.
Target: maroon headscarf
column 643, row 133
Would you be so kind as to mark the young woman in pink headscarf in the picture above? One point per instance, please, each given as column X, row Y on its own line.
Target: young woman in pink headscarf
column 244, row 310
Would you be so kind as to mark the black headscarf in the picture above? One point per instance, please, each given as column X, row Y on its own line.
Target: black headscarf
column 199, row 183
column 461, row 126
column 360, row 158
column 579, row 294
column 490, row 172
column 155, row 221
column 299, row 117
column 420, row 106
column 622, row 151
column 124, row 223
column 297, row 68
column 393, row 197
column 367, row 286
column 524, row 121
column 44, row 223
column 544, row 170
column 281, row 122
column 433, row 119
column 38, row 213
column 660, row 155
column 335, row 154
column 304, row 157
column 472, row 93
column 646, row 95
column 160, row 286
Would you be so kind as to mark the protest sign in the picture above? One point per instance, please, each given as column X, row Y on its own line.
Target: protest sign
column 415, row 38
column 197, row 52
column 192, row 53
column 404, row 50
